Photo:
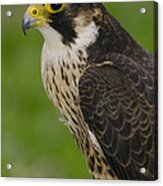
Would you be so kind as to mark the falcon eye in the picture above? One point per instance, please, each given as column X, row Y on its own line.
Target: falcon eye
column 34, row 11
column 53, row 8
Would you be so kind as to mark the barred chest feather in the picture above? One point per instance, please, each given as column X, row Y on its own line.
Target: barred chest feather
column 61, row 73
column 62, row 67
column 60, row 76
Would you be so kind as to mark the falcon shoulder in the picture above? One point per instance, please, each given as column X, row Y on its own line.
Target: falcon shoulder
column 117, row 102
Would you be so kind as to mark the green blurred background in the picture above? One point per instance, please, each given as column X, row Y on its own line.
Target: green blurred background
column 33, row 139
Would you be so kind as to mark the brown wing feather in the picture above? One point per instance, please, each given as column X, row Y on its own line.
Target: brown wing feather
column 117, row 102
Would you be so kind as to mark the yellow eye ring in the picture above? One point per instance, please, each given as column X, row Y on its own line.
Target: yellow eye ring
column 54, row 8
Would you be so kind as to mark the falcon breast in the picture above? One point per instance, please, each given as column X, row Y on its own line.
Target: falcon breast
column 102, row 82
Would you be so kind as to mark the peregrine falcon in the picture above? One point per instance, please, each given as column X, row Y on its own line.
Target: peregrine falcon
column 102, row 82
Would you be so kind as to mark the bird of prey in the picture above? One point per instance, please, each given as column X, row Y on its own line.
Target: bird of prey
column 102, row 82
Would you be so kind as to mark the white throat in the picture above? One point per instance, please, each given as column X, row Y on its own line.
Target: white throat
column 52, row 38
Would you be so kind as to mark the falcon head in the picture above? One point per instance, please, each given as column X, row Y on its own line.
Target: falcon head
column 66, row 22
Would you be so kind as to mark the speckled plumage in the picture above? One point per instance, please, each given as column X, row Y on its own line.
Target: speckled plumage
column 102, row 82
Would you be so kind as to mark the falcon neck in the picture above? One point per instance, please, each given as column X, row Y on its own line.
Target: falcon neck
column 75, row 52
column 86, row 36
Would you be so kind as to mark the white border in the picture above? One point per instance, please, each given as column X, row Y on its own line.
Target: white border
column 56, row 1
column 57, row 182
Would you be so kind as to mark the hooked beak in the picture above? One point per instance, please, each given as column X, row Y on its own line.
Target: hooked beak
column 33, row 22
column 34, row 17
column 28, row 22
column 25, row 25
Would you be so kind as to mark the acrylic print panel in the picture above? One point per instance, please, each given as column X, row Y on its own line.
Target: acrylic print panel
column 100, row 75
